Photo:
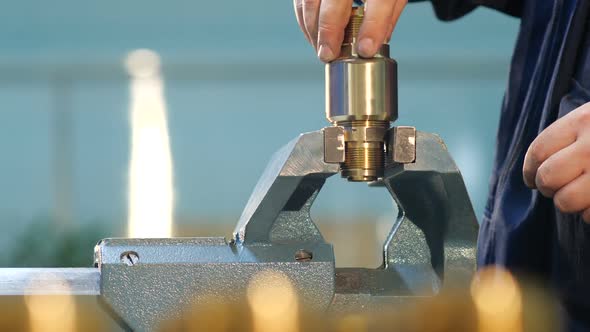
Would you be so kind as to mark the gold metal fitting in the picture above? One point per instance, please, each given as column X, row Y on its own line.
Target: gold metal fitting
column 354, row 25
column 364, row 149
column 361, row 99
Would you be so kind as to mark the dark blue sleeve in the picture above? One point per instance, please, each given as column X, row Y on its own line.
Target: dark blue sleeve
column 447, row 10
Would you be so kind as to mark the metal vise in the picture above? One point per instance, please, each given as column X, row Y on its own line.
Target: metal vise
column 433, row 238
column 143, row 282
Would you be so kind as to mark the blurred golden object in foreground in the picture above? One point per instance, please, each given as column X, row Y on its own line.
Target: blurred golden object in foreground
column 51, row 313
column 494, row 303
column 273, row 302
column 352, row 322
column 54, row 313
column 498, row 301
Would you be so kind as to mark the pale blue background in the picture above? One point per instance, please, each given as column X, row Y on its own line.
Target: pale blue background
column 227, row 114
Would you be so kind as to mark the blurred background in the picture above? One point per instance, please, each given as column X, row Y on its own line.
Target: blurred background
column 151, row 118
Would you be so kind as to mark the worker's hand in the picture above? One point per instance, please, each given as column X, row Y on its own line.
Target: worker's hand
column 558, row 162
column 323, row 23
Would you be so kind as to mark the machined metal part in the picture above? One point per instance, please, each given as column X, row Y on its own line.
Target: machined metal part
column 279, row 208
column 401, row 145
column 359, row 89
column 434, row 233
column 174, row 274
column 334, row 145
column 143, row 282
column 49, row 281
column 275, row 232
column 431, row 195
column 361, row 97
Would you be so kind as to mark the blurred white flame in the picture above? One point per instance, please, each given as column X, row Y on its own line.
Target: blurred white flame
column 50, row 313
column 151, row 196
column 273, row 303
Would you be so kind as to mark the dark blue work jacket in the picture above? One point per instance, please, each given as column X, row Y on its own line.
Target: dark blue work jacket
column 549, row 77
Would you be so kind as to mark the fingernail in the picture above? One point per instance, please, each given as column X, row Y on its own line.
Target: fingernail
column 365, row 47
column 325, row 53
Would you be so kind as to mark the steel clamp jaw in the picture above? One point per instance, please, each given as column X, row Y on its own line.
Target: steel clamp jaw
column 435, row 231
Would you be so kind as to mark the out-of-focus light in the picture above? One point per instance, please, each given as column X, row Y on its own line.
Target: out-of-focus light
column 498, row 301
column 50, row 313
column 353, row 323
column 151, row 194
column 273, row 302
column 143, row 64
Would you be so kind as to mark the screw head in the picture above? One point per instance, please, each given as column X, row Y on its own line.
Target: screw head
column 303, row 255
column 129, row 258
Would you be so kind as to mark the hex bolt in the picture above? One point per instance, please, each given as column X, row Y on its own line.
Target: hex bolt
column 129, row 258
column 303, row 255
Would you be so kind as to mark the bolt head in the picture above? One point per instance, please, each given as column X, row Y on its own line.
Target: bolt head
column 303, row 255
column 129, row 258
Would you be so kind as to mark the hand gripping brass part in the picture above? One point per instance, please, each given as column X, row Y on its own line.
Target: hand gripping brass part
column 361, row 98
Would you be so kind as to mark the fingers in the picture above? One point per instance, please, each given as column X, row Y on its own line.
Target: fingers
column 397, row 11
column 554, row 138
column 575, row 196
column 311, row 13
column 333, row 17
column 323, row 23
column 298, row 6
column 376, row 24
column 560, row 169
column 558, row 163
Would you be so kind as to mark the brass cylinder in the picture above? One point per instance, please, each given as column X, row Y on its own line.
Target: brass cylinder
column 354, row 25
column 361, row 96
column 364, row 149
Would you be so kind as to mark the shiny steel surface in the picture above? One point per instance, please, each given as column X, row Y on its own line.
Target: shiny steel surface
column 361, row 89
column 401, row 145
column 334, row 145
column 49, row 281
